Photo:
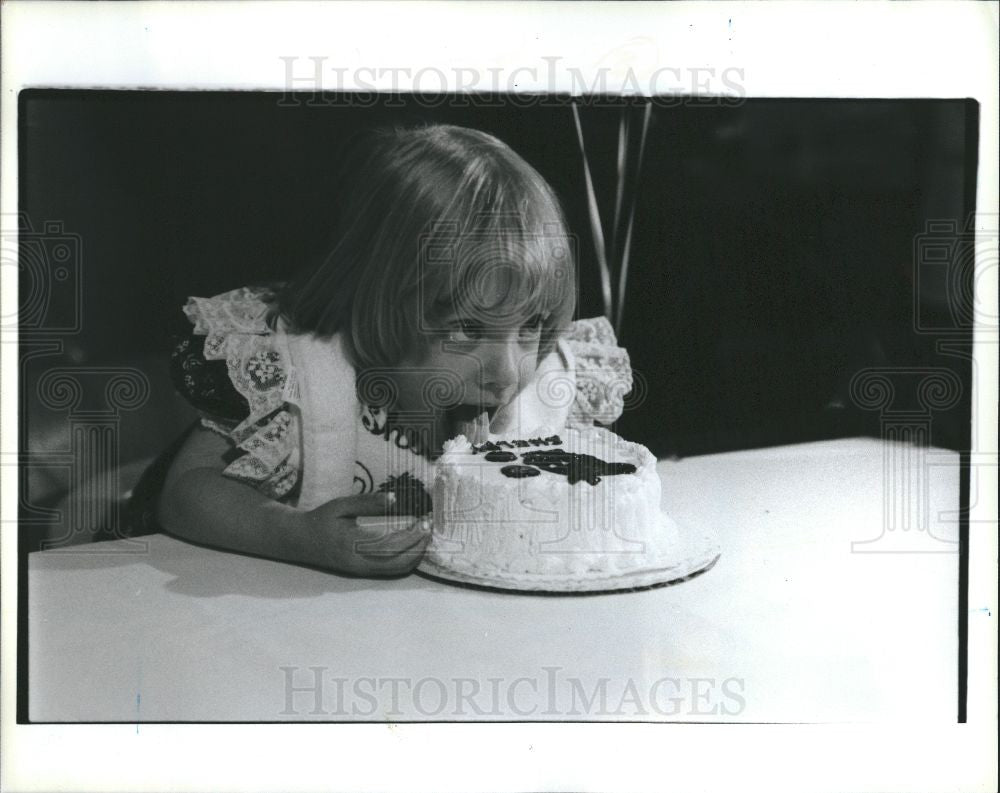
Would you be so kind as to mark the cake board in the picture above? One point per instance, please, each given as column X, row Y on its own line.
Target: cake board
column 693, row 554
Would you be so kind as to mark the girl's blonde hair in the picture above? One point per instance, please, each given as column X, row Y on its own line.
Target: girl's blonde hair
column 432, row 214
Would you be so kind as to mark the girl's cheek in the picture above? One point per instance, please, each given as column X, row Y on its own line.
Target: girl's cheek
column 464, row 368
column 529, row 363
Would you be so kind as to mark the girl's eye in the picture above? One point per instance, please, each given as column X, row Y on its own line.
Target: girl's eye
column 532, row 328
column 468, row 330
column 465, row 330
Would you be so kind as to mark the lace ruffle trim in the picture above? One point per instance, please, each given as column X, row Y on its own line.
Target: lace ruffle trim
column 237, row 332
column 271, row 462
column 603, row 373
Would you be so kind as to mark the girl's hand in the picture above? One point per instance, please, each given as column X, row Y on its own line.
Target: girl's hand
column 358, row 536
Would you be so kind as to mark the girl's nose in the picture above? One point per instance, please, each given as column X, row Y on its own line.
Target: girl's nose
column 501, row 361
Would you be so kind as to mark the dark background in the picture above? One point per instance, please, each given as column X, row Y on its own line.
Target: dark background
column 773, row 252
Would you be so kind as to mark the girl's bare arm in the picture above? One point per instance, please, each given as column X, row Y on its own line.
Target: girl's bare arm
column 200, row 504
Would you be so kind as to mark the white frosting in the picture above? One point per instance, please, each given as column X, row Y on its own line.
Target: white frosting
column 486, row 522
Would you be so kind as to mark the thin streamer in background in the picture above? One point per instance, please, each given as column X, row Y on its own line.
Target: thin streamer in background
column 595, row 220
column 609, row 260
column 623, row 271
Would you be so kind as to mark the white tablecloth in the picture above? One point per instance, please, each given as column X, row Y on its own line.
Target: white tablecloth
column 800, row 620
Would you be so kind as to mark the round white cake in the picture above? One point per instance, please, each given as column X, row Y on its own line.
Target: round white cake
column 572, row 502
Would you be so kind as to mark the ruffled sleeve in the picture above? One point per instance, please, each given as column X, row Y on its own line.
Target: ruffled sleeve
column 602, row 370
column 235, row 371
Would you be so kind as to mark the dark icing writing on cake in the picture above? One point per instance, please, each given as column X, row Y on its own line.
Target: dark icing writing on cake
column 499, row 446
column 575, row 467
column 519, row 471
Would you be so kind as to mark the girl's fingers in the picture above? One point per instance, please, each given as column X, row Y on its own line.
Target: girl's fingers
column 389, row 556
column 412, row 541
column 377, row 527
column 386, row 540
column 393, row 531
column 397, row 563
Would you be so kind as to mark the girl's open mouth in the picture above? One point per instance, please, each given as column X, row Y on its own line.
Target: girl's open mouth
column 473, row 421
column 470, row 412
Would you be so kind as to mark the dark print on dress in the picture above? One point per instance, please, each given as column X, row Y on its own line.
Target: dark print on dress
column 412, row 497
column 205, row 384
column 373, row 419
column 363, row 477
column 391, row 428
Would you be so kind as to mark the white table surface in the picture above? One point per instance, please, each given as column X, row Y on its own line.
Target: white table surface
column 790, row 625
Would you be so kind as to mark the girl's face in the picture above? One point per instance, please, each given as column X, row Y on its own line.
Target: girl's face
column 472, row 359
column 480, row 330
column 470, row 366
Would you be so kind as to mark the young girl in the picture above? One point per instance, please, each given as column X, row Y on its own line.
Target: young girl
column 444, row 307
